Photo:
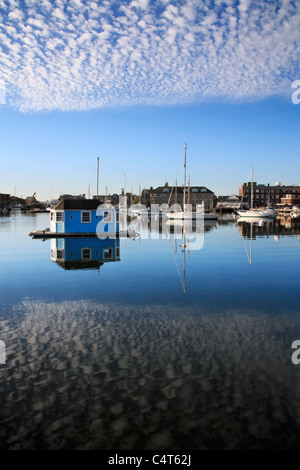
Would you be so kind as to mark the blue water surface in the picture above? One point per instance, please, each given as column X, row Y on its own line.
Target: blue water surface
column 151, row 343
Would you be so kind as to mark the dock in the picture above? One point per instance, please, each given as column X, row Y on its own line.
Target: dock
column 44, row 234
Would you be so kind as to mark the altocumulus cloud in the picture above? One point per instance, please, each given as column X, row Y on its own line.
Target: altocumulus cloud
column 86, row 54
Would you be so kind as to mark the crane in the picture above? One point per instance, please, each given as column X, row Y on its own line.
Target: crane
column 31, row 199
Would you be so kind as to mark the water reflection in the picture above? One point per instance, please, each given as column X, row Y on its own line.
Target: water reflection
column 84, row 253
column 83, row 375
column 148, row 227
column 281, row 226
column 133, row 363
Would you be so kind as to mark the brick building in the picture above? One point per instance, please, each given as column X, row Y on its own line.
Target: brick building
column 264, row 195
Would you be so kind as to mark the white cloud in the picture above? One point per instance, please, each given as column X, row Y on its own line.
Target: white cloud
column 58, row 13
column 243, row 5
column 145, row 52
column 142, row 4
column 16, row 15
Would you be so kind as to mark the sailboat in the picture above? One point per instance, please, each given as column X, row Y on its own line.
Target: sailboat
column 184, row 214
column 256, row 213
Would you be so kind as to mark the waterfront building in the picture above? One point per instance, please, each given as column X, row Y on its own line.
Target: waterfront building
column 264, row 195
column 4, row 200
column 84, row 253
column 231, row 203
column 71, row 196
column 146, row 196
column 195, row 195
column 84, row 216
column 291, row 199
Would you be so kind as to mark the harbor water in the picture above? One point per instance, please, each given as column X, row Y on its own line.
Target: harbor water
column 137, row 344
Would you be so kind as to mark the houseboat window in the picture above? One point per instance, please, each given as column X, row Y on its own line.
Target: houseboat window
column 59, row 254
column 59, row 216
column 86, row 253
column 107, row 216
column 85, row 217
column 107, row 253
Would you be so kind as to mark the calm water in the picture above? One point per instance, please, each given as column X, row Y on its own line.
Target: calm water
column 146, row 346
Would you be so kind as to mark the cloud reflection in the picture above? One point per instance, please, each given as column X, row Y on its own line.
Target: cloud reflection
column 87, row 375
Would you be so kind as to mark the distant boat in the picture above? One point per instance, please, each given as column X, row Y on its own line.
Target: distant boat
column 138, row 210
column 186, row 215
column 257, row 213
column 295, row 212
column 191, row 215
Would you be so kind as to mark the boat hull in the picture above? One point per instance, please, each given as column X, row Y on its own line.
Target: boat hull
column 257, row 214
column 191, row 216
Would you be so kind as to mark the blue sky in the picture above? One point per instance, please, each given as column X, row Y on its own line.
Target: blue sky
column 131, row 82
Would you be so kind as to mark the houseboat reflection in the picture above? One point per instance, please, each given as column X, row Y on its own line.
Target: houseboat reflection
column 84, row 253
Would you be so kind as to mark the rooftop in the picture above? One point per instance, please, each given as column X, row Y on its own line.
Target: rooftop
column 78, row 204
column 193, row 190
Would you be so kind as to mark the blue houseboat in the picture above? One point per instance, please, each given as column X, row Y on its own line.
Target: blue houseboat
column 84, row 253
column 72, row 217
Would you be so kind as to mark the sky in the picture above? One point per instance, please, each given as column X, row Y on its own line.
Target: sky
column 132, row 82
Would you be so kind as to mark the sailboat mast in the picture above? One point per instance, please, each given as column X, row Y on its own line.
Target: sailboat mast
column 251, row 188
column 184, row 177
column 184, row 243
column 97, row 177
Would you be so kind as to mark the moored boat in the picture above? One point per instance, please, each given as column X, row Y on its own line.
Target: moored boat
column 257, row 213
column 186, row 214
